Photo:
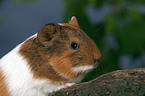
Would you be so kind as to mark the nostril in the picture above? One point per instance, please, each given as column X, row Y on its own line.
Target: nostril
column 96, row 61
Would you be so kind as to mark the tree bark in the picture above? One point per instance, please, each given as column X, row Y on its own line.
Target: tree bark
column 129, row 82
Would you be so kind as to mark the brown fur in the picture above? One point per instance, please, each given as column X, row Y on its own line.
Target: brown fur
column 34, row 53
column 3, row 85
column 74, row 22
column 50, row 56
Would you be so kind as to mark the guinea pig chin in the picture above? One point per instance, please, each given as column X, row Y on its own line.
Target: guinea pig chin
column 84, row 68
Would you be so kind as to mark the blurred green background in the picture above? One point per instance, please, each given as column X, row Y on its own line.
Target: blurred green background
column 117, row 27
column 119, row 32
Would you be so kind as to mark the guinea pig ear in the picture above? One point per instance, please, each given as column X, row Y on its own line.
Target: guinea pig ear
column 74, row 22
column 47, row 33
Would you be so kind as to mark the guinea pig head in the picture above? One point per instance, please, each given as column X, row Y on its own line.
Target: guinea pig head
column 68, row 49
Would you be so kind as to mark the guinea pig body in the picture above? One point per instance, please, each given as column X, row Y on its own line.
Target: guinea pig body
column 57, row 55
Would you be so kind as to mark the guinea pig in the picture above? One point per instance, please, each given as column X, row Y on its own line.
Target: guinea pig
column 59, row 55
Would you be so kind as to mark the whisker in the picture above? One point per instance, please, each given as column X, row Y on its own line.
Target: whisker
column 99, row 70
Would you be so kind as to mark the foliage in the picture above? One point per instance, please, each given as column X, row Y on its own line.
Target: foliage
column 124, row 22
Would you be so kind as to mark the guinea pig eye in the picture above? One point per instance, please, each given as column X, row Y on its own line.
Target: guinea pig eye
column 74, row 45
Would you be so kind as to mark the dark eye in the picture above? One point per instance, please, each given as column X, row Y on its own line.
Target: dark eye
column 74, row 45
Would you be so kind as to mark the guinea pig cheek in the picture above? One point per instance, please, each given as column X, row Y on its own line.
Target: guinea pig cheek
column 63, row 66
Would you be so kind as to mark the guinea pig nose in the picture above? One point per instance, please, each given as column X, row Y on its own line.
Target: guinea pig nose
column 96, row 61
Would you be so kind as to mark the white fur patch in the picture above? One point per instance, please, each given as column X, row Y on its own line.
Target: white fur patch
column 19, row 78
column 61, row 24
column 82, row 68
